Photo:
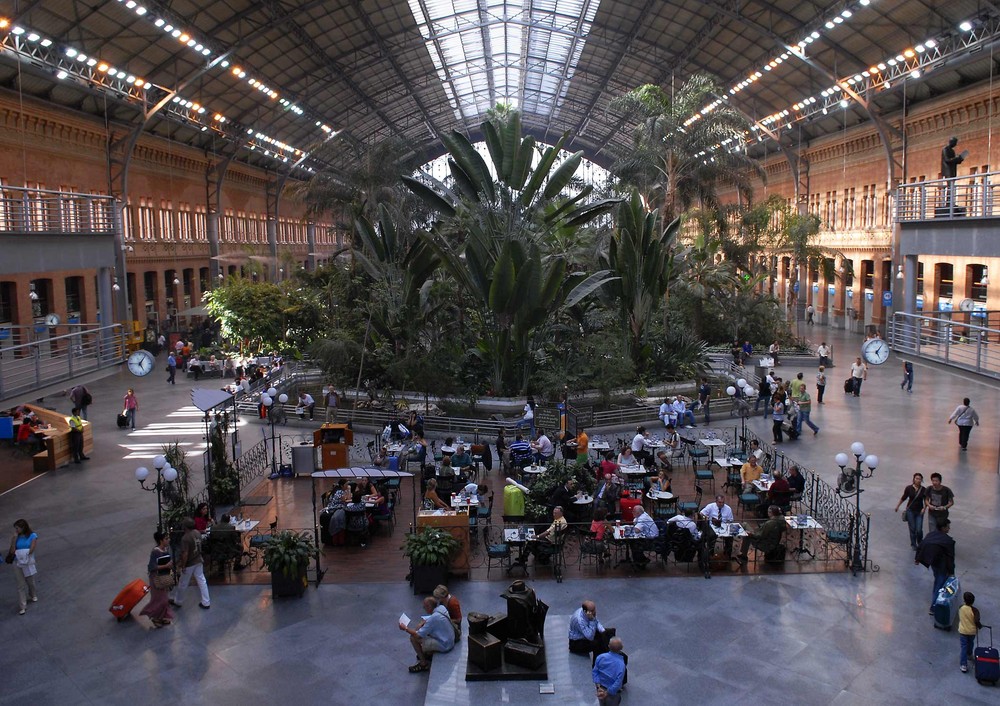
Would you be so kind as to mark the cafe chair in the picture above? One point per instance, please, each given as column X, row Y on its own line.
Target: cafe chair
column 694, row 452
column 692, row 504
column 838, row 542
column 734, row 481
column 478, row 453
column 597, row 553
column 782, row 500
column 704, row 475
column 497, row 551
column 553, row 552
column 749, row 502
column 357, row 527
column 387, row 513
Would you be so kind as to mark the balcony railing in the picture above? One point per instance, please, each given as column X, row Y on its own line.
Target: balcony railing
column 38, row 211
column 972, row 196
column 948, row 338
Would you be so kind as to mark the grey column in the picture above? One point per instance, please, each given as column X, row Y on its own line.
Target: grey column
column 272, row 243
column 120, row 310
column 212, row 228
column 106, row 303
column 311, row 240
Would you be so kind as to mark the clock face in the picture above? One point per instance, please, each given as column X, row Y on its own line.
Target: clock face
column 875, row 351
column 141, row 363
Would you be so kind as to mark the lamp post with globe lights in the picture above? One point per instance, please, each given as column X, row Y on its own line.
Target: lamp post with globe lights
column 164, row 474
column 740, row 393
column 850, row 482
column 268, row 398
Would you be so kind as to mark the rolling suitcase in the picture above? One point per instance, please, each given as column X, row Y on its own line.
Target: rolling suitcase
column 946, row 604
column 122, row 420
column 987, row 661
column 129, row 597
column 849, row 386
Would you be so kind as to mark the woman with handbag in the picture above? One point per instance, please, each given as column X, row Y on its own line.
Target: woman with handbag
column 161, row 581
column 22, row 556
column 915, row 497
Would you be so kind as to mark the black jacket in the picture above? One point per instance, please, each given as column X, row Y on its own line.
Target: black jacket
column 938, row 552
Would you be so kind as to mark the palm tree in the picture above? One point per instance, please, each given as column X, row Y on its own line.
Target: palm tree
column 702, row 272
column 492, row 239
column 678, row 153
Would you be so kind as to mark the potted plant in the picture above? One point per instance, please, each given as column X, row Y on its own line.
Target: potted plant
column 287, row 556
column 429, row 551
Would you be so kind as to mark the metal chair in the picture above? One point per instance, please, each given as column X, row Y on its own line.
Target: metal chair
column 597, row 552
column 387, row 513
column 497, row 551
column 553, row 551
column 748, row 501
column 705, row 475
column 692, row 504
column 694, row 453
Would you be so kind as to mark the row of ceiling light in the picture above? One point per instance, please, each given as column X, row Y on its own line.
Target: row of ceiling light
column 188, row 38
column 190, row 110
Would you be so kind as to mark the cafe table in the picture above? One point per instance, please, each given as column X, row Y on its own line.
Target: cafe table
column 467, row 502
column 762, row 485
column 711, row 444
column 599, row 447
column 519, row 537
column 623, row 538
column 802, row 523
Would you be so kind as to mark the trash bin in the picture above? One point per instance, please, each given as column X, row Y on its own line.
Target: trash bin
column 303, row 459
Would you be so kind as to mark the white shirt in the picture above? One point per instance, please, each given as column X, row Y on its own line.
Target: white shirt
column 686, row 523
column 638, row 441
column 712, row 512
column 544, row 445
column 529, row 413
column 646, row 527
column 858, row 370
column 823, row 351
column 679, row 407
column 758, row 454
column 306, row 399
column 664, row 410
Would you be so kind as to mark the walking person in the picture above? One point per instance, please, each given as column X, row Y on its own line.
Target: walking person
column 609, row 673
column 820, row 384
column 705, row 398
column 332, row 399
column 964, row 417
column 777, row 417
column 859, row 373
column 915, row 496
column 824, row 355
column 171, row 369
column 969, row 626
column 937, row 551
column 131, row 407
column 939, row 500
column 81, row 398
column 161, row 579
column 907, row 376
column 190, row 564
column 22, row 555
column 76, row 436
column 805, row 405
column 810, row 313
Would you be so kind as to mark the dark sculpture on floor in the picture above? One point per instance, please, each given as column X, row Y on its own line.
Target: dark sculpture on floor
column 509, row 646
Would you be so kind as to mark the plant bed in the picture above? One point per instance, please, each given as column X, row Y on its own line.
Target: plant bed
column 287, row 556
column 429, row 551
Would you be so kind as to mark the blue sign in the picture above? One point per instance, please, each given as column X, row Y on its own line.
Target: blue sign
column 795, row 287
column 815, row 287
column 832, row 289
column 850, row 294
column 887, row 298
column 869, row 295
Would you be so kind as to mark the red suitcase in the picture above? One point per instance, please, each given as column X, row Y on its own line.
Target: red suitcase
column 130, row 596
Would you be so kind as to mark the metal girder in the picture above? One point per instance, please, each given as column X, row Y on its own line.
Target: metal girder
column 445, row 68
column 578, row 37
column 637, row 26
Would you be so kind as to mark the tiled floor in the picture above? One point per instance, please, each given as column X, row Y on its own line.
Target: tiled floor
column 777, row 638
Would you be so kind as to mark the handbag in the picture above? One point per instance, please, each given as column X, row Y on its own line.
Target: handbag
column 11, row 558
column 164, row 582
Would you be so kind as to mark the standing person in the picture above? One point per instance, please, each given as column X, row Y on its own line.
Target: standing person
column 824, row 354
column 171, row 369
column 190, row 564
column 969, row 626
column 914, row 495
column 503, row 452
column 939, row 500
column 859, row 373
column 22, row 546
column 810, row 313
column 332, row 400
column 820, row 384
column 763, row 394
column 160, row 568
column 950, row 160
column 907, row 376
column 777, row 417
column 797, row 386
column 528, row 416
column 937, row 551
column 773, row 350
column 805, row 405
column 81, row 398
column 705, row 398
column 131, row 407
column 76, row 436
column 608, row 674
column 964, row 417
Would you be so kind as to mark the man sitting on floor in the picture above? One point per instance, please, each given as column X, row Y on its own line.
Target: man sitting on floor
column 586, row 631
column 434, row 633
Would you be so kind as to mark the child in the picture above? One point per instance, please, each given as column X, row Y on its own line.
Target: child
column 968, row 627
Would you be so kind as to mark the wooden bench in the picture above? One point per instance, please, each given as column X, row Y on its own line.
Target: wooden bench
column 57, row 449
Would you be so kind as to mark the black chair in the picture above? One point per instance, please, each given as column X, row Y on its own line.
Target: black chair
column 357, row 527
column 552, row 551
column 596, row 552
column 497, row 550
column 692, row 505
column 387, row 513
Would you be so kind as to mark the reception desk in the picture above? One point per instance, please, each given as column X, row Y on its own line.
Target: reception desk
column 457, row 525
column 334, row 442
column 57, row 450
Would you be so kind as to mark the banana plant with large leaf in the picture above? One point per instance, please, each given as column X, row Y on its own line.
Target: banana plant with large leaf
column 641, row 255
column 493, row 238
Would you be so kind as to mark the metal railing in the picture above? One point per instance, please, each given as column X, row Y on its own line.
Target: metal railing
column 971, row 196
column 947, row 338
column 41, row 211
column 31, row 366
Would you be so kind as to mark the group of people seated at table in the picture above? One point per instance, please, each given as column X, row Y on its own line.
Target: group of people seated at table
column 433, row 500
column 353, row 507
column 29, row 433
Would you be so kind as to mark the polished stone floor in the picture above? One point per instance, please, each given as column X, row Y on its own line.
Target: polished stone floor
column 796, row 639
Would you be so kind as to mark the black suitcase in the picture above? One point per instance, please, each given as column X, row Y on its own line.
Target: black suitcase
column 849, row 386
column 122, row 420
column 987, row 662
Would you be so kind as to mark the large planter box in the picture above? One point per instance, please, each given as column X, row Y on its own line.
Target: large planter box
column 283, row 586
column 427, row 578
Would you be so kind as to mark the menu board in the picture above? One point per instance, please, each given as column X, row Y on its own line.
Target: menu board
column 548, row 418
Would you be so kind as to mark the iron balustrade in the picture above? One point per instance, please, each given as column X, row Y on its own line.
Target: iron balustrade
column 949, row 338
column 970, row 196
column 27, row 367
column 38, row 211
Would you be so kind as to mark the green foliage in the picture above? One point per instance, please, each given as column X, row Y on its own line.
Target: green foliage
column 225, row 481
column 536, row 503
column 288, row 552
column 430, row 547
column 176, row 505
